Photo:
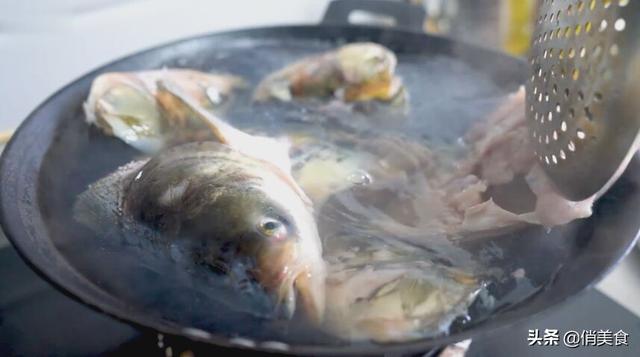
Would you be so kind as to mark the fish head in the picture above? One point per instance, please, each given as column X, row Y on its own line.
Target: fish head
column 366, row 63
column 283, row 244
column 239, row 215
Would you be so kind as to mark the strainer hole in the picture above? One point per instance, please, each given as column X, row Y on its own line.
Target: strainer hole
column 597, row 96
column 619, row 25
column 580, row 5
column 572, row 113
column 587, row 27
column 555, row 89
column 561, row 54
column 623, row 3
column 606, row 3
column 603, row 25
column 546, row 139
column 614, row 50
column 580, row 134
column 567, row 32
column 558, row 108
column 580, row 95
column 575, row 74
column 572, row 53
column 597, row 50
column 551, row 17
column 554, row 159
column 563, row 155
column 583, row 52
column 578, row 29
column 569, row 9
column 563, row 126
column 550, row 116
column 571, row 146
column 592, row 4
column 588, row 114
column 566, row 94
column 555, row 135
column 546, row 159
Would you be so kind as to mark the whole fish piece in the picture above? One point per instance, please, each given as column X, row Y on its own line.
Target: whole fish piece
column 330, row 164
column 234, row 211
column 353, row 73
column 389, row 292
column 125, row 105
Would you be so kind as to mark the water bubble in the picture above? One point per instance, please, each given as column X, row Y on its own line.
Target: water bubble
column 464, row 319
column 214, row 95
column 360, row 178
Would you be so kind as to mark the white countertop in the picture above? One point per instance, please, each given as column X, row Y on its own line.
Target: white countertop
column 46, row 44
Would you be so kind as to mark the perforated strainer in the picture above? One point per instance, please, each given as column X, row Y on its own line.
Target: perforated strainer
column 583, row 94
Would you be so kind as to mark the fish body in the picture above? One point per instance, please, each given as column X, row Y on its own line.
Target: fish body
column 125, row 105
column 389, row 292
column 353, row 73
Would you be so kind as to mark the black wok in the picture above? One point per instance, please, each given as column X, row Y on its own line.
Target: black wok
column 54, row 156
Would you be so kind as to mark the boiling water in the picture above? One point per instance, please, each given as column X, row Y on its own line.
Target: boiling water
column 446, row 96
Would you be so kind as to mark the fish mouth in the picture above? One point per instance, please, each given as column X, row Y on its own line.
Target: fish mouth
column 309, row 287
column 302, row 294
column 297, row 287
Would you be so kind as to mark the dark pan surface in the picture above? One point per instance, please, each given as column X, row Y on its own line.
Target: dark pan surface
column 54, row 155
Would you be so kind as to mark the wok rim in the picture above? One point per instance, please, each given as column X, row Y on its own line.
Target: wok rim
column 13, row 230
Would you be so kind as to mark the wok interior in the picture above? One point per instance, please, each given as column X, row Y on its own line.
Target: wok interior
column 450, row 86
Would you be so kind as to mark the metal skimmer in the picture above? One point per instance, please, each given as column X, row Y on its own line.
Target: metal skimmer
column 583, row 94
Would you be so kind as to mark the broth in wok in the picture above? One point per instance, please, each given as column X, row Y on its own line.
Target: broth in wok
column 393, row 212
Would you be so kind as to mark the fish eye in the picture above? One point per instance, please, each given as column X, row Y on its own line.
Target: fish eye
column 271, row 227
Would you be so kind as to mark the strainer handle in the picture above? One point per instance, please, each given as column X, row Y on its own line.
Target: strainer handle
column 405, row 16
